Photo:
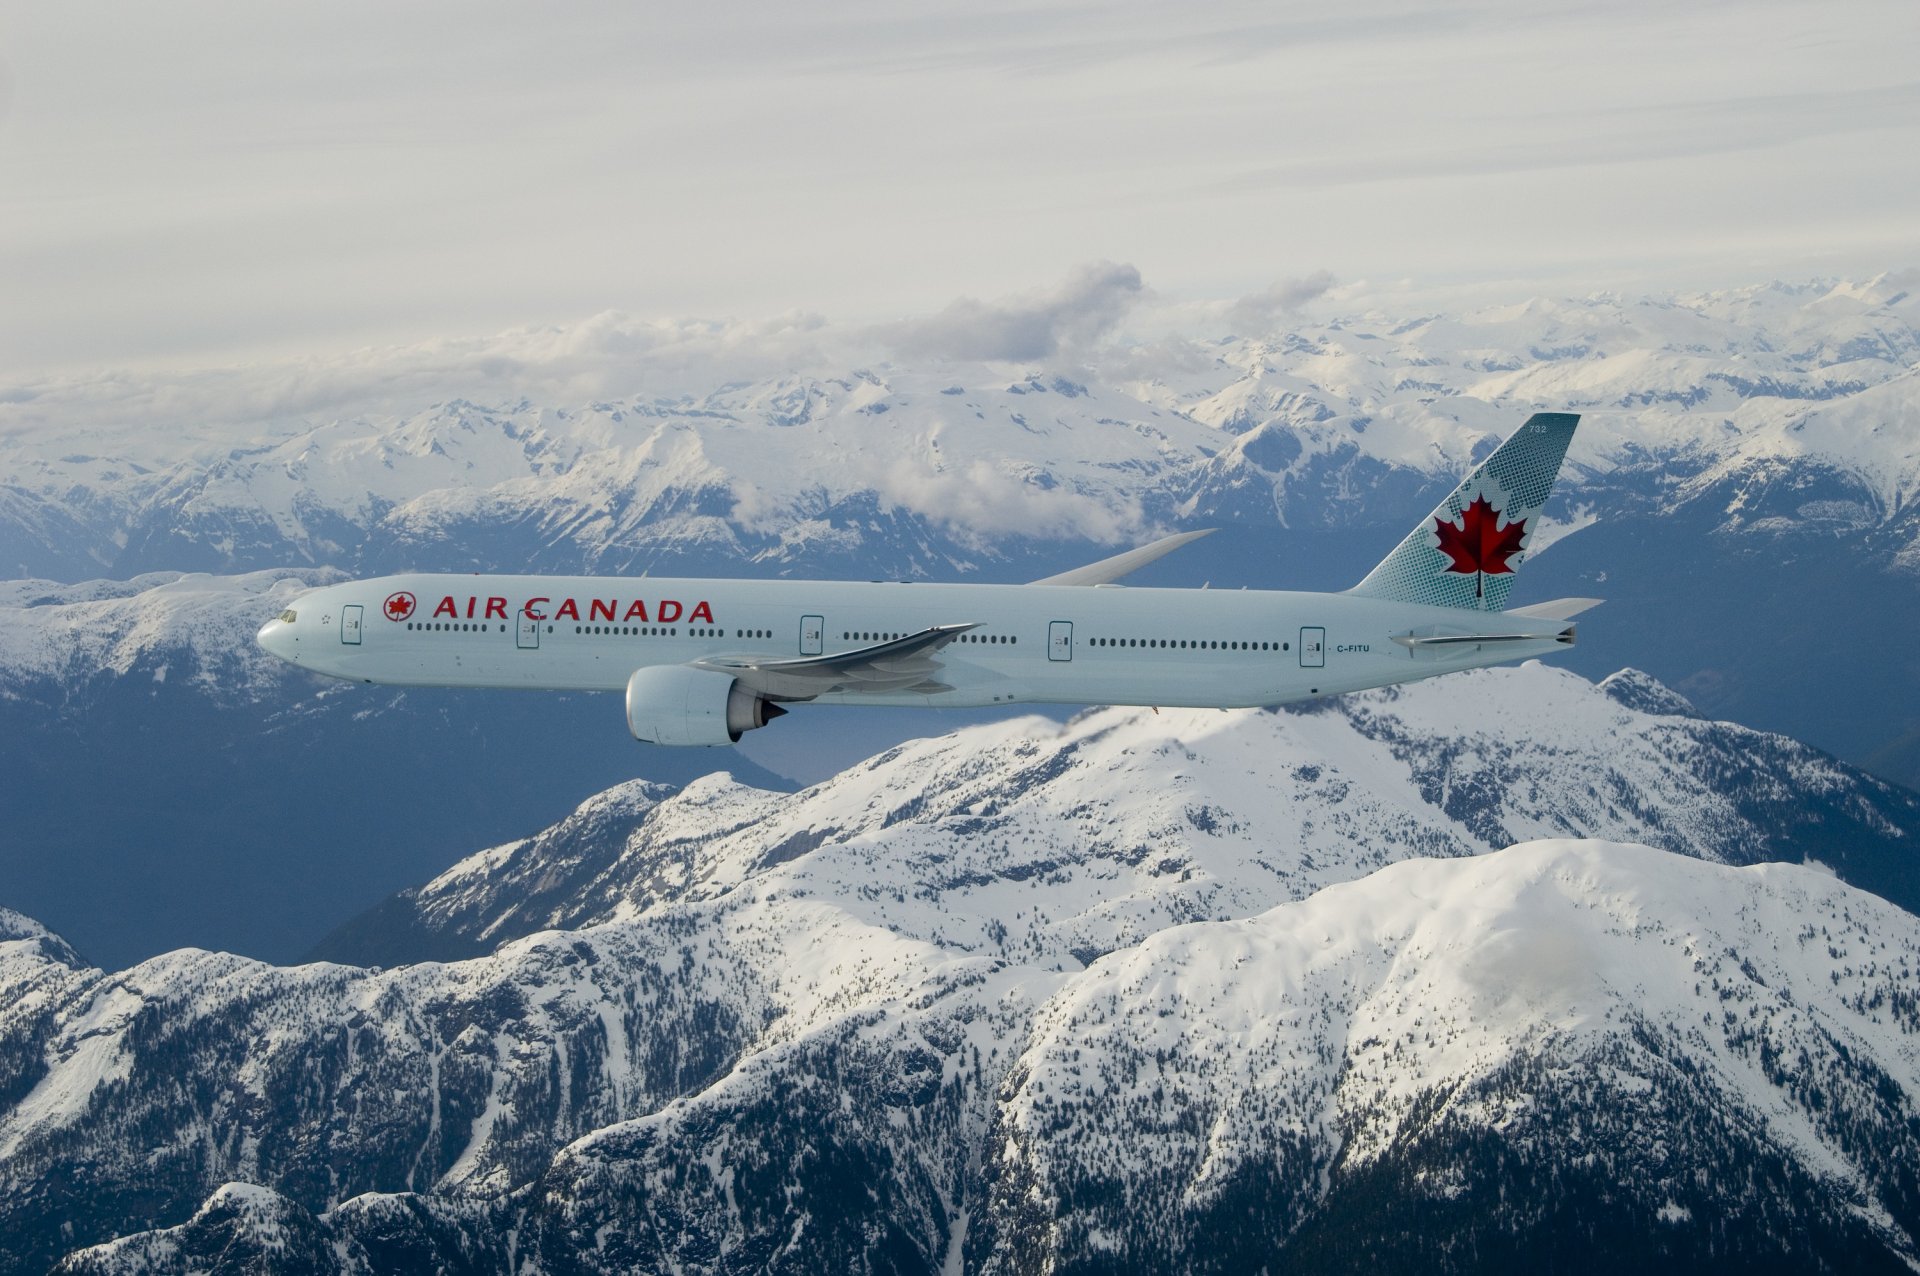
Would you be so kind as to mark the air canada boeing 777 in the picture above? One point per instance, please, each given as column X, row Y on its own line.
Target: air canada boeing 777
column 703, row 661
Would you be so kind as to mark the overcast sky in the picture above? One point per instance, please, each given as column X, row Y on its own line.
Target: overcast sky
column 190, row 184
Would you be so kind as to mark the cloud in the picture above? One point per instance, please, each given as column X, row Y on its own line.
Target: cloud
column 988, row 500
column 1167, row 358
column 1262, row 309
column 608, row 355
column 1088, row 304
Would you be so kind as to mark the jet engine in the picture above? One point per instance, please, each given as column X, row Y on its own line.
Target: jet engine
column 678, row 704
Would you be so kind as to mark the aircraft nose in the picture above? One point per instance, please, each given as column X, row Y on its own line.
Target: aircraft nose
column 276, row 636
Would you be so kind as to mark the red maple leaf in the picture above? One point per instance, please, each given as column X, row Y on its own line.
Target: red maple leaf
column 1476, row 545
column 399, row 606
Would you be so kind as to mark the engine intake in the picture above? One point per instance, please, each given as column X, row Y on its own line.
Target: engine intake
column 677, row 704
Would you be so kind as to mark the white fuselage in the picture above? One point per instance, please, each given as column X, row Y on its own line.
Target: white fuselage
column 1032, row 643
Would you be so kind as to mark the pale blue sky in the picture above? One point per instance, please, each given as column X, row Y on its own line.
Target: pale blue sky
column 213, row 182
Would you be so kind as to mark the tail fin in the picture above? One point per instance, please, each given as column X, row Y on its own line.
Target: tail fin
column 1465, row 553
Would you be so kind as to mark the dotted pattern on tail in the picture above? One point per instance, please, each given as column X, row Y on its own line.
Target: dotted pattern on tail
column 1516, row 480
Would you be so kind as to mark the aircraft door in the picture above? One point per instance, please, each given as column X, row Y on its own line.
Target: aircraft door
column 1060, row 640
column 527, row 633
column 350, row 623
column 1313, row 648
column 813, row 632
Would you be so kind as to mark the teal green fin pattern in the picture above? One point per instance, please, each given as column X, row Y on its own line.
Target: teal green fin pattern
column 1516, row 481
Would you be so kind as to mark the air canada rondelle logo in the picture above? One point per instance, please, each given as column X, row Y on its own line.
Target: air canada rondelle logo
column 399, row 606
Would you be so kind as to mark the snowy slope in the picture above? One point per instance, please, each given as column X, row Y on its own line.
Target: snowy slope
column 1430, row 1047
column 64, row 639
column 1501, row 1053
column 243, row 1227
column 1126, row 820
column 760, row 471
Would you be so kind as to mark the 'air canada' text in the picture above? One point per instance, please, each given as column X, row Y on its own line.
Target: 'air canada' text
column 664, row 611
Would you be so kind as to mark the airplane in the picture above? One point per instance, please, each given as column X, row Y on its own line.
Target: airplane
column 704, row 661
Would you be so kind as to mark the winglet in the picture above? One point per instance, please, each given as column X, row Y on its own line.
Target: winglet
column 1112, row 569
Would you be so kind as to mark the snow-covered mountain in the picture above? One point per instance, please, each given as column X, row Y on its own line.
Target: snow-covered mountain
column 72, row 642
column 1478, row 1064
column 944, row 468
column 1180, row 811
column 1444, row 1063
column 1046, row 997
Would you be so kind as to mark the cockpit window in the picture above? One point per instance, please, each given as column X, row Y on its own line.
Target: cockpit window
column 287, row 615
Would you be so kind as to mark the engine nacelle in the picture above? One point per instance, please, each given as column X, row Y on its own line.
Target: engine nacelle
column 677, row 704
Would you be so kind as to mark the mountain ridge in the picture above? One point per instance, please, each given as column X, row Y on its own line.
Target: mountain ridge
column 1454, row 766
column 1457, row 1029
column 929, row 466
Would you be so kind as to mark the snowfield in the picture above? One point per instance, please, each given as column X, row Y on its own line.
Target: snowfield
column 1577, row 1004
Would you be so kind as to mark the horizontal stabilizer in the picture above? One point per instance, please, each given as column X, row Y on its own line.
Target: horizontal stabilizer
column 1558, row 609
column 1108, row 570
column 1417, row 641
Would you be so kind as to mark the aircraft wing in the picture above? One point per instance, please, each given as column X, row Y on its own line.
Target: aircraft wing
column 1112, row 569
column 901, row 664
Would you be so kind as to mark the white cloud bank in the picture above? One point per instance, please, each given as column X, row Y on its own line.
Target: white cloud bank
column 1285, row 298
column 605, row 356
column 1087, row 306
